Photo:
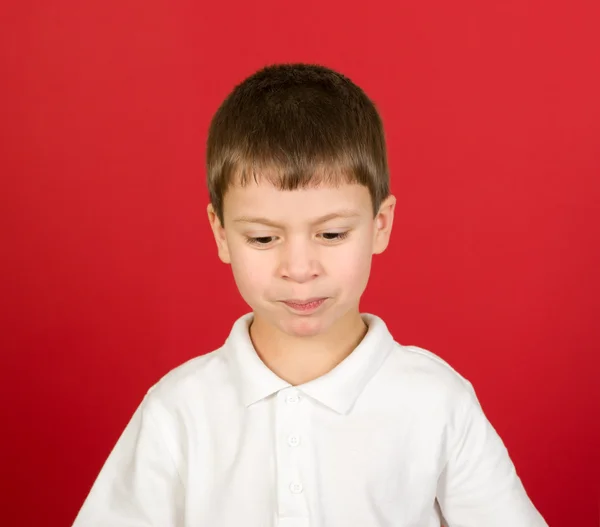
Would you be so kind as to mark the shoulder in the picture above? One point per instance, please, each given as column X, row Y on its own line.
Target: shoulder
column 193, row 383
column 426, row 378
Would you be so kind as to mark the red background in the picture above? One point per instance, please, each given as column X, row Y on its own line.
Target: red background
column 110, row 277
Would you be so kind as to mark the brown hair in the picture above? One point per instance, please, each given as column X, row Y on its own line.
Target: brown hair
column 297, row 125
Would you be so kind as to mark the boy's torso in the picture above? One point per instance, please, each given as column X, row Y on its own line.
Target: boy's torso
column 364, row 445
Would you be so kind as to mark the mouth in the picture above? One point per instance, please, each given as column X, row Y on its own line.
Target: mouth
column 308, row 305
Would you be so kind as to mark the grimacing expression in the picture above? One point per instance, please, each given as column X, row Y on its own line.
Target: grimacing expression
column 314, row 243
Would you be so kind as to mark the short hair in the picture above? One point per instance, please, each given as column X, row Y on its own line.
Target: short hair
column 296, row 125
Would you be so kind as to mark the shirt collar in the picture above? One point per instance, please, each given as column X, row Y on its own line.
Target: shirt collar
column 251, row 375
column 338, row 389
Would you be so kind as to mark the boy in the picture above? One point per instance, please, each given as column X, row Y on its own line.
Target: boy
column 310, row 414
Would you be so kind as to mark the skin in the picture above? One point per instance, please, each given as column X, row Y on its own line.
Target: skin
column 280, row 248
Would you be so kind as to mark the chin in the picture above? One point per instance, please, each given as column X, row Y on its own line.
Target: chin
column 309, row 326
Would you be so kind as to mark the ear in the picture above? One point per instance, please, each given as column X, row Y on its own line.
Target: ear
column 219, row 234
column 383, row 225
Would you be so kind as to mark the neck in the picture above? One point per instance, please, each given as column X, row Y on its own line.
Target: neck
column 298, row 360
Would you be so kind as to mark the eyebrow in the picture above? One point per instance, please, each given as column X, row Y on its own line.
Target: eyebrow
column 265, row 221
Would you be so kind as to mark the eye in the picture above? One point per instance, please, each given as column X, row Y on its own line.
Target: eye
column 260, row 240
column 334, row 236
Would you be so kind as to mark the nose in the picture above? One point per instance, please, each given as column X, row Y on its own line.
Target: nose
column 299, row 260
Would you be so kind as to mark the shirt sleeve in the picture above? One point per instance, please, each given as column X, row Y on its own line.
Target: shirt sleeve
column 479, row 486
column 139, row 485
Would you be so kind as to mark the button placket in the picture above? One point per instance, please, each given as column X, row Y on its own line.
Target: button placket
column 291, row 501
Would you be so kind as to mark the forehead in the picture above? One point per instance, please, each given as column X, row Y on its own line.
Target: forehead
column 265, row 199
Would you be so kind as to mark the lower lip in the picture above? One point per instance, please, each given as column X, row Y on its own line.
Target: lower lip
column 306, row 308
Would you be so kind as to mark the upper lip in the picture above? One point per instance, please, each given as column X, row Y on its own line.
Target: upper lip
column 300, row 302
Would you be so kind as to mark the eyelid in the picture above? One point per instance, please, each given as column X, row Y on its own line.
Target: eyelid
column 252, row 241
column 341, row 234
column 334, row 230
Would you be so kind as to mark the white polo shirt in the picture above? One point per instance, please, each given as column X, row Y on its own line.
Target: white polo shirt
column 392, row 437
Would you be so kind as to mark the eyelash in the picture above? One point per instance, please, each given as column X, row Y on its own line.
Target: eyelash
column 339, row 236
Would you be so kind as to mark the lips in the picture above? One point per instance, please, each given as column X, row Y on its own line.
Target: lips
column 308, row 305
column 296, row 302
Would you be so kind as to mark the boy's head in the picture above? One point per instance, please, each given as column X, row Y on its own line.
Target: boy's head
column 299, row 188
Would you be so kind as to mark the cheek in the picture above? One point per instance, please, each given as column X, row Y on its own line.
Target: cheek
column 351, row 265
column 249, row 271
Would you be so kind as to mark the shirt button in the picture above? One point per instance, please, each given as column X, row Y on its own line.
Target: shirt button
column 296, row 488
column 293, row 440
column 292, row 399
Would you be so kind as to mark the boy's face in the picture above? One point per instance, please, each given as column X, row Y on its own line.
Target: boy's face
column 301, row 259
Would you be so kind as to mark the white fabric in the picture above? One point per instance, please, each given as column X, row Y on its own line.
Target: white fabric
column 392, row 437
